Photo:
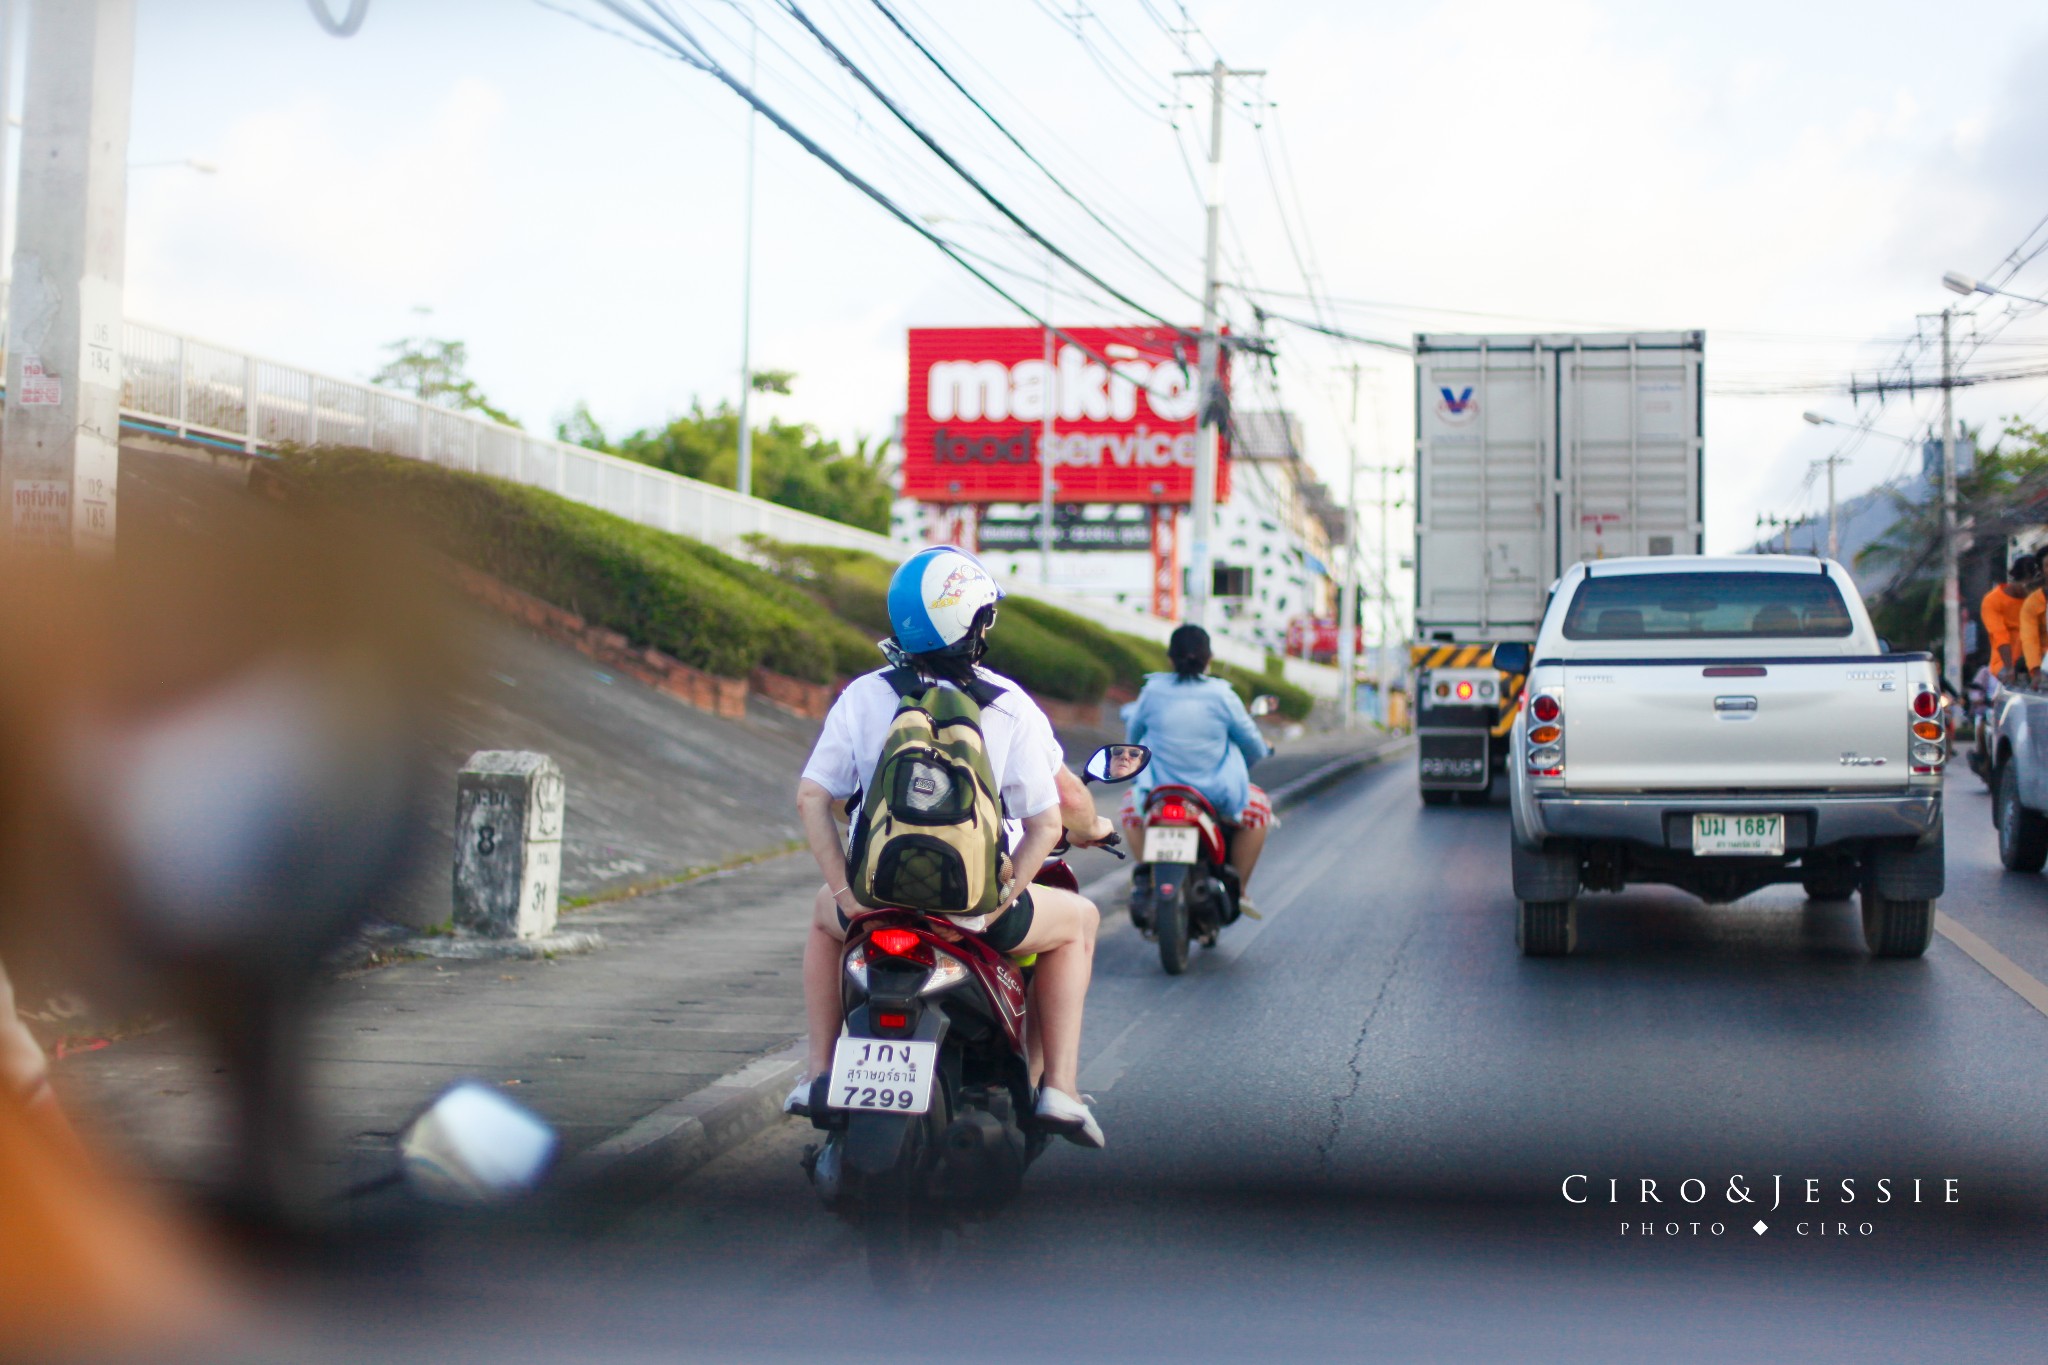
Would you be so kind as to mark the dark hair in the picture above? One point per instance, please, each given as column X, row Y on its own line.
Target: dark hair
column 2023, row 568
column 1188, row 648
column 955, row 663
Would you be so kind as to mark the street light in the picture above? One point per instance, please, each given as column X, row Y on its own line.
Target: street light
column 1957, row 282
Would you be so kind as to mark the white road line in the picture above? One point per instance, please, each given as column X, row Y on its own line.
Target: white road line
column 1994, row 962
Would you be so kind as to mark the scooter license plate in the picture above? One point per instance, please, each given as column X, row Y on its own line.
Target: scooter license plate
column 874, row 1073
column 1172, row 844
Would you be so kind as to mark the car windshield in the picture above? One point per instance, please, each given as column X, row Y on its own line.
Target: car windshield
column 1707, row 606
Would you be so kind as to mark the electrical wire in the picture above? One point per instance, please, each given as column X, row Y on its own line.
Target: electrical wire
column 1028, row 154
column 902, row 116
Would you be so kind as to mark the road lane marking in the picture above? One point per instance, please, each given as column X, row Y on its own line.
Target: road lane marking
column 1994, row 962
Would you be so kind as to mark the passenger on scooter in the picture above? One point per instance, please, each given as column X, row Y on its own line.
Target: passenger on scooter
column 1201, row 736
column 941, row 604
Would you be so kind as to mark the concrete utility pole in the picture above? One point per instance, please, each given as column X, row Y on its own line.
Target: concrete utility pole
column 60, row 456
column 1834, row 541
column 745, row 481
column 1201, row 566
column 1951, row 589
column 1347, row 593
column 1045, row 480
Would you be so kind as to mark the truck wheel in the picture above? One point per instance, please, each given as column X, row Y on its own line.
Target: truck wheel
column 1546, row 928
column 1896, row 928
column 1433, row 797
column 2022, row 833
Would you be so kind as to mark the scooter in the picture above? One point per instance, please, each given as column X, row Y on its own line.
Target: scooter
column 1183, row 888
column 928, row 1107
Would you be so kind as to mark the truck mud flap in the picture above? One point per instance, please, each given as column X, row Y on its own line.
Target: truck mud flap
column 1910, row 872
column 1455, row 759
column 1551, row 875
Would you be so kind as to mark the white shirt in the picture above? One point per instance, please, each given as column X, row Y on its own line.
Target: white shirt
column 1022, row 751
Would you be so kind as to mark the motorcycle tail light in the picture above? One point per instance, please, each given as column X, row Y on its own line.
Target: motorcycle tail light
column 892, row 1019
column 902, row 943
column 1546, row 708
column 1925, row 704
column 1173, row 811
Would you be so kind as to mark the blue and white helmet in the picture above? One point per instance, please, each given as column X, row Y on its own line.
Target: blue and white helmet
column 935, row 595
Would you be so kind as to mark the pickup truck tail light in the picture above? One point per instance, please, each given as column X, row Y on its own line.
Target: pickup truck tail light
column 1546, row 736
column 1927, row 741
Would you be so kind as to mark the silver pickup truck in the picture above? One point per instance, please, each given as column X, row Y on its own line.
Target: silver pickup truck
column 1719, row 725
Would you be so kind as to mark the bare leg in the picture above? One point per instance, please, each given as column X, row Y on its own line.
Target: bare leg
column 821, row 983
column 1245, row 847
column 1062, row 933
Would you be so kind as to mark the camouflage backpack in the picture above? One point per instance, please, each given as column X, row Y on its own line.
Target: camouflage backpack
column 929, row 836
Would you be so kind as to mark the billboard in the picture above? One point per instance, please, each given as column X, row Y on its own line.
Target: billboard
column 1123, row 431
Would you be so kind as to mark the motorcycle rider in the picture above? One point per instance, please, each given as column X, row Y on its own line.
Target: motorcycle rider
column 1201, row 736
column 941, row 605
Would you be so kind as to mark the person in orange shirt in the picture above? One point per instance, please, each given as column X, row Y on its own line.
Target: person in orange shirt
column 2002, row 615
column 2033, row 631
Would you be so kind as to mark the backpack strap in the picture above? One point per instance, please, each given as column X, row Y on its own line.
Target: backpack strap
column 908, row 682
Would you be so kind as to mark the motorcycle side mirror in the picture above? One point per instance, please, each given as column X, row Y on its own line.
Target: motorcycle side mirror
column 474, row 1146
column 1264, row 705
column 1117, row 762
column 1512, row 658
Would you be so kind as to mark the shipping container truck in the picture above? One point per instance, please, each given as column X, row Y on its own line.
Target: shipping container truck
column 1531, row 454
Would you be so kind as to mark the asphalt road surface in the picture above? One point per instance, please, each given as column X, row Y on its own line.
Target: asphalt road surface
column 1358, row 1127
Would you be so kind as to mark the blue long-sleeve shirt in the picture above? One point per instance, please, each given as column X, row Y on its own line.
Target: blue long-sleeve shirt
column 1200, row 736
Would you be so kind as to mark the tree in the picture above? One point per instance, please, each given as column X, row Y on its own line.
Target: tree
column 435, row 371
column 793, row 464
column 2002, row 493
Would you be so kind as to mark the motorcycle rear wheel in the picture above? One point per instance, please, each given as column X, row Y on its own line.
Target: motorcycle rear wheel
column 901, row 1225
column 1170, row 922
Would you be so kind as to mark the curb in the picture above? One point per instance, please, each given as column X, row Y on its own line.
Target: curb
column 1331, row 773
column 688, row 1133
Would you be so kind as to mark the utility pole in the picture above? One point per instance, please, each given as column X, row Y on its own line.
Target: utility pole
column 1951, row 590
column 1045, row 487
column 1834, row 541
column 6, row 112
column 1209, row 436
column 60, row 453
column 1347, row 594
column 745, row 481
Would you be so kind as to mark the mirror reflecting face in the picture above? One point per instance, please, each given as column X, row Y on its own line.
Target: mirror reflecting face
column 474, row 1146
column 1265, row 705
column 1118, row 762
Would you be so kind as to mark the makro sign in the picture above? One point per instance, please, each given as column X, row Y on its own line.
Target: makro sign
column 1123, row 417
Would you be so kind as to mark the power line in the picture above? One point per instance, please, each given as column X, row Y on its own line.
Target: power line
column 1028, row 154
column 796, row 12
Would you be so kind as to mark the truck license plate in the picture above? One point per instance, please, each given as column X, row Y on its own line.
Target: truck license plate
column 1739, row 834
column 871, row 1074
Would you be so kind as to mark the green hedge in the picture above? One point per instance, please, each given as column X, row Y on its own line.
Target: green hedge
column 707, row 609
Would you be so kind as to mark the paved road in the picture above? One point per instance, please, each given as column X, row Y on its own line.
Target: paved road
column 1348, row 1132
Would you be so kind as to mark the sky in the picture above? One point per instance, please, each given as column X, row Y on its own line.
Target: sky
column 1793, row 179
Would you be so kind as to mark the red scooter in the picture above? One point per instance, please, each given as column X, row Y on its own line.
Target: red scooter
column 928, row 1107
column 1182, row 888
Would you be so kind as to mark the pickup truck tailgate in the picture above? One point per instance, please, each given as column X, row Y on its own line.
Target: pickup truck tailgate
column 1707, row 726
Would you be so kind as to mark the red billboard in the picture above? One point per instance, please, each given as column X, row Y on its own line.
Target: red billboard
column 1123, row 431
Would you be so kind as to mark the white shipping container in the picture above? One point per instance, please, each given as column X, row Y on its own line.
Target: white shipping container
column 1534, row 452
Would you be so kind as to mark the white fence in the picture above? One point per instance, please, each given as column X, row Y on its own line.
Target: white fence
column 199, row 391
